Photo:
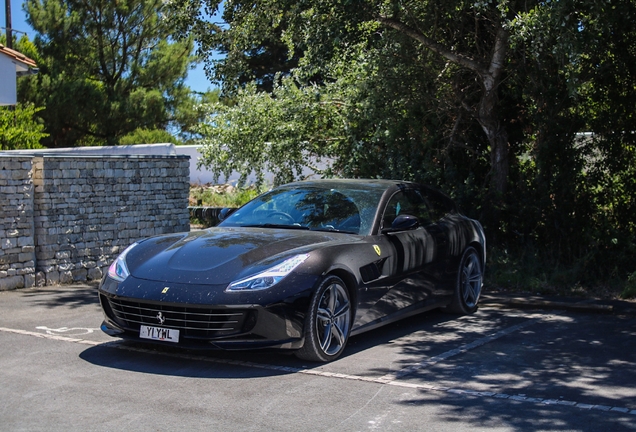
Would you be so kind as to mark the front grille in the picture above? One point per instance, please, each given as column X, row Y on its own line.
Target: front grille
column 192, row 322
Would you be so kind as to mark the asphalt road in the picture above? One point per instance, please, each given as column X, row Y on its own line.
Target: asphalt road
column 501, row 368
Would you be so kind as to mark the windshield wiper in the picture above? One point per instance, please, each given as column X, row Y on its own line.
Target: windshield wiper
column 326, row 229
column 271, row 225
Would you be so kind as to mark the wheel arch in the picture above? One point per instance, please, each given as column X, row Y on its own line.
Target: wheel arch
column 350, row 283
column 480, row 251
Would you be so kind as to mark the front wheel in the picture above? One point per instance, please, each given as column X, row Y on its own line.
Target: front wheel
column 469, row 283
column 328, row 322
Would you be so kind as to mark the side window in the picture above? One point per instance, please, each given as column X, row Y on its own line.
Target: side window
column 419, row 206
column 408, row 202
column 393, row 209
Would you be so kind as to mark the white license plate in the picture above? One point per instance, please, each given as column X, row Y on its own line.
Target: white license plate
column 159, row 333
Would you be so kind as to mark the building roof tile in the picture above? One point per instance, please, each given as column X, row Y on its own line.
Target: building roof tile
column 18, row 56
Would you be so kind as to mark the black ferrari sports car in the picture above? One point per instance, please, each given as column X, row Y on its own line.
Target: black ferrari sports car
column 302, row 267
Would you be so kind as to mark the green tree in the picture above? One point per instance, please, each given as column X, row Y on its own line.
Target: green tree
column 146, row 136
column 19, row 128
column 281, row 132
column 186, row 127
column 106, row 69
column 235, row 59
column 188, row 116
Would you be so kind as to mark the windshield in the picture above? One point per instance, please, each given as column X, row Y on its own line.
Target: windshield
column 343, row 210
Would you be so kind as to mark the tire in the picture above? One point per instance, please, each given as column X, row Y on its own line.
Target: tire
column 328, row 322
column 470, row 277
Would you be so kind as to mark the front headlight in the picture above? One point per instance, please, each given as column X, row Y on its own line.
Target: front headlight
column 269, row 277
column 118, row 270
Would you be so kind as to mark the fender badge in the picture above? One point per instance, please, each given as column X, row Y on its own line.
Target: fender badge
column 165, row 290
column 377, row 249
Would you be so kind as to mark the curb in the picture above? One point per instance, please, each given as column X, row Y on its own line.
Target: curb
column 528, row 303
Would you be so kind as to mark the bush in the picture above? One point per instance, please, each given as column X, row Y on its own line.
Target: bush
column 529, row 270
column 148, row 136
column 630, row 287
column 19, row 128
column 221, row 195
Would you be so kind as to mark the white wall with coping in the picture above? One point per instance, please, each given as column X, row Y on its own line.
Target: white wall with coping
column 199, row 176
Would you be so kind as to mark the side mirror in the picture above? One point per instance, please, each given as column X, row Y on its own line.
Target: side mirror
column 403, row 222
column 225, row 212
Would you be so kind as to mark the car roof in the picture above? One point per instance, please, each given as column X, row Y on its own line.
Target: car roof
column 370, row 184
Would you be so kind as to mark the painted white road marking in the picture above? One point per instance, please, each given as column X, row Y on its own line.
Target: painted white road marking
column 49, row 336
column 73, row 331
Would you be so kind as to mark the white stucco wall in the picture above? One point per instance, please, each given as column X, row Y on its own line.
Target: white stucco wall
column 8, row 92
column 203, row 176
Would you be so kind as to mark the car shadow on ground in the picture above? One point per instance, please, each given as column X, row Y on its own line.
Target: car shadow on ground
column 135, row 357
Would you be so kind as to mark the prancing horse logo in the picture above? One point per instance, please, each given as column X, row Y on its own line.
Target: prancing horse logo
column 161, row 318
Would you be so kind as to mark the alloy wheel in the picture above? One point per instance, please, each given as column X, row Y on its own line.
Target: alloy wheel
column 333, row 319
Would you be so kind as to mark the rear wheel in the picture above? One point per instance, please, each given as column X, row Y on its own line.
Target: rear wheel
column 328, row 322
column 469, row 283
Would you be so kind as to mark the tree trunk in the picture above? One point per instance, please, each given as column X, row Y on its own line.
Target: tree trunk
column 498, row 139
column 499, row 164
column 488, row 117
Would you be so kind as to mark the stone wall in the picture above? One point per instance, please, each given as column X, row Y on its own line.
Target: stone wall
column 17, row 247
column 83, row 211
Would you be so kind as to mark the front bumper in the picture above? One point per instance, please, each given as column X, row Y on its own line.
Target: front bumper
column 271, row 323
column 248, row 343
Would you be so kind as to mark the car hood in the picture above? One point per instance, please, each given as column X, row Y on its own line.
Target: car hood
column 220, row 255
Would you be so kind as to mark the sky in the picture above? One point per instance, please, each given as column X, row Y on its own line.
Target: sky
column 196, row 80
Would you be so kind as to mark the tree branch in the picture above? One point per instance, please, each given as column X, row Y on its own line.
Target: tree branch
column 499, row 53
column 434, row 46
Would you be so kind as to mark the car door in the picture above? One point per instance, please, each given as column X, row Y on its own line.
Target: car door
column 452, row 235
column 410, row 265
